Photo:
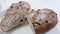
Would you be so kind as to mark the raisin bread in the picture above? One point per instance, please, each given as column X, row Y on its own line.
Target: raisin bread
column 15, row 15
column 42, row 20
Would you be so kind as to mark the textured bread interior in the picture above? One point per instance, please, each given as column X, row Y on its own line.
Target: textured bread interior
column 15, row 11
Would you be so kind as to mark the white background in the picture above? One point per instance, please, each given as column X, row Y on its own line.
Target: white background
column 35, row 4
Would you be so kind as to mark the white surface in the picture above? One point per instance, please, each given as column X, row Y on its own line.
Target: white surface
column 35, row 4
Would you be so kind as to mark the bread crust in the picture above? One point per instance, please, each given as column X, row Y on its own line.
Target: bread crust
column 43, row 20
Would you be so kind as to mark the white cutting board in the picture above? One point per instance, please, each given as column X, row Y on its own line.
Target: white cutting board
column 35, row 4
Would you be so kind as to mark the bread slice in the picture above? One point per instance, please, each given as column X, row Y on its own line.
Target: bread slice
column 42, row 20
column 15, row 15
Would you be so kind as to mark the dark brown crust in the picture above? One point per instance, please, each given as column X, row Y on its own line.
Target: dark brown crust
column 46, row 27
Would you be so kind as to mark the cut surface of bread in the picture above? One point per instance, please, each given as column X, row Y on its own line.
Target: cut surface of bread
column 15, row 15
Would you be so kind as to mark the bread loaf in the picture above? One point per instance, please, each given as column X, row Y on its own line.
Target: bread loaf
column 15, row 15
column 42, row 20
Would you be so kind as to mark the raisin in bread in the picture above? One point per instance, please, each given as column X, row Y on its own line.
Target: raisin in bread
column 15, row 15
column 42, row 20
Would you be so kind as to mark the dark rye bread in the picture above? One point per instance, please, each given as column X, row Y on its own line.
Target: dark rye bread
column 42, row 20
column 15, row 15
